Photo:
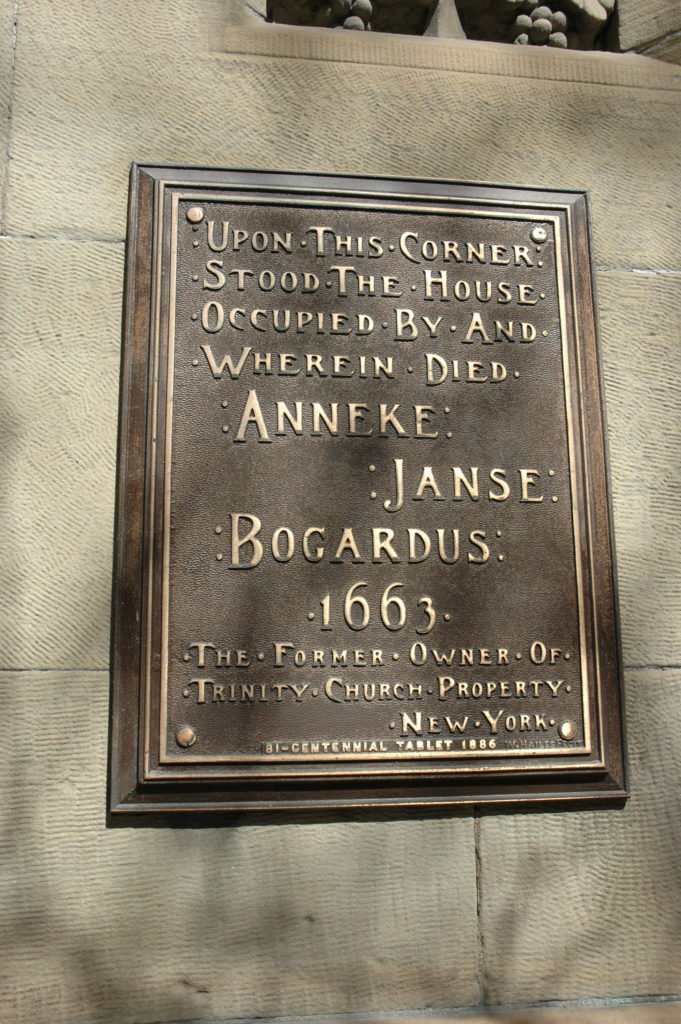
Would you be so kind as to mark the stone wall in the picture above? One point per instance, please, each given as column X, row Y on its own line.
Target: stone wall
column 652, row 27
column 346, row 914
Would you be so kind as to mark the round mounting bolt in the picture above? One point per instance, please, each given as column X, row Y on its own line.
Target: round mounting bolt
column 194, row 214
column 185, row 737
column 538, row 234
column 568, row 730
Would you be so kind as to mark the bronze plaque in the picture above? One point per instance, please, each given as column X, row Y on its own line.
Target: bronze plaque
column 363, row 542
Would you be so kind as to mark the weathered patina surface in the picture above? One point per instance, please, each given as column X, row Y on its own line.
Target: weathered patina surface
column 363, row 533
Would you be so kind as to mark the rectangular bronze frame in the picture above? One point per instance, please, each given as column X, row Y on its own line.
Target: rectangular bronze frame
column 137, row 787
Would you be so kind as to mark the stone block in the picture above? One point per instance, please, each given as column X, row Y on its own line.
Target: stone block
column 637, row 1013
column 668, row 49
column 642, row 23
column 162, row 924
column 415, row 107
column 97, row 27
column 61, row 314
column 7, row 43
column 640, row 322
column 586, row 903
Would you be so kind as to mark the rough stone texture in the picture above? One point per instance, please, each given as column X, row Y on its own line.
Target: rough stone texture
column 7, row 41
column 445, row 21
column 642, row 22
column 640, row 316
column 171, row 107
column 92, row 26
column 118, row 926
column 122, row 926
column 668, row 48
column 578, row 904
column 644, row 1013
column 61, row 311
column 641, row 1013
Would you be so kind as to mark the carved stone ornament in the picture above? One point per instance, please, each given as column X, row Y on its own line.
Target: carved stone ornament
column 410, row 17
column 565, row 24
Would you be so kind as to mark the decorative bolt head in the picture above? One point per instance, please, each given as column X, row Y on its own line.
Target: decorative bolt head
column 568, row 730
column 194, row 214
column 538, row 235
column 185, row 737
